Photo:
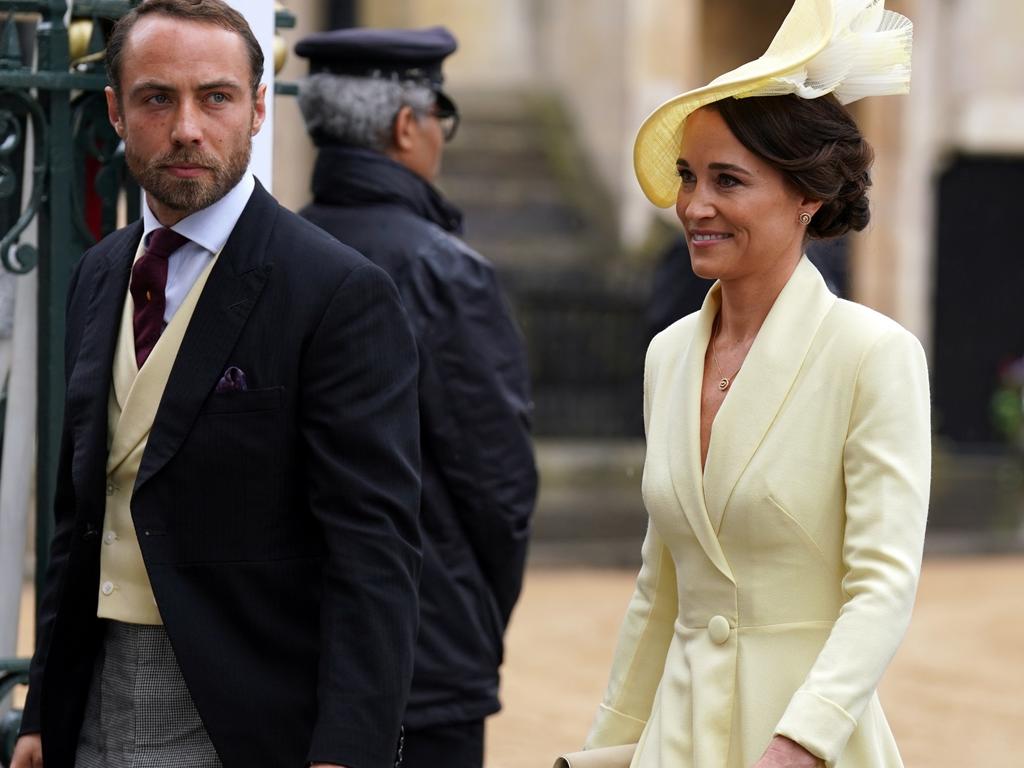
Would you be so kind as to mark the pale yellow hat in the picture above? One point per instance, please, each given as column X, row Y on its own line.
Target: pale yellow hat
column 852, row 48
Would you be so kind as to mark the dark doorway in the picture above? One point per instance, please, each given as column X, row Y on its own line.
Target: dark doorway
column 979, row 292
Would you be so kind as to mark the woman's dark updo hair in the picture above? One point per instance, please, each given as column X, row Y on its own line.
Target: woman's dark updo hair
column 816, row 146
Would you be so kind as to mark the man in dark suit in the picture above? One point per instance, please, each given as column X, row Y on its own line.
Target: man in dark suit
column 234, row 568
column 375, row 107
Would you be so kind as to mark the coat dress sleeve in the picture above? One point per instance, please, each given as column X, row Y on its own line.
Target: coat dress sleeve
column 475, row 398
column 646, row 630
column 358, row 420
column 887, row 471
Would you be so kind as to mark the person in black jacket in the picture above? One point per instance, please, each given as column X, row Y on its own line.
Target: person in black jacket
column 373, row 104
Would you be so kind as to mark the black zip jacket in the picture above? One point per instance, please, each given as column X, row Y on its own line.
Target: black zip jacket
column 479, row 477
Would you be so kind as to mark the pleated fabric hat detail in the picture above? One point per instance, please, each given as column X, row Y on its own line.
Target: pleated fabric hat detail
column 850, row 48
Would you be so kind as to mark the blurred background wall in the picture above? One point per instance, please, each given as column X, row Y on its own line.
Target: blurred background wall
column 552, row 94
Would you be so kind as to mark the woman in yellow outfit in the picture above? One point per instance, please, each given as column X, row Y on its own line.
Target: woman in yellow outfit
column 788, row 438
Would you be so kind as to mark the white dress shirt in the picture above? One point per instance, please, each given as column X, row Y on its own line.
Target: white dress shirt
column 207, row 230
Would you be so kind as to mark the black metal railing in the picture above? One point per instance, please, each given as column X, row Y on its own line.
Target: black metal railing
column 586, row 338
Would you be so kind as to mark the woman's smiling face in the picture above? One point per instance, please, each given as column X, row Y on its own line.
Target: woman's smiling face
column 740, row 215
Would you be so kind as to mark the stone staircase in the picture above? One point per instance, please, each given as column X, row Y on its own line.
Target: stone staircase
column 516, row 172
column 533, row 209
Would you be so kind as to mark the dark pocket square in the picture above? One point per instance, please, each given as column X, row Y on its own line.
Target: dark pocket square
column 233, row 380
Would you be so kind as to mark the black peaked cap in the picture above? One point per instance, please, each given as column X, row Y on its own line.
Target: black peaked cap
column 405, row 54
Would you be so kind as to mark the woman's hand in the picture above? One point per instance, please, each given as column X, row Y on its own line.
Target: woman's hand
column 786, row 753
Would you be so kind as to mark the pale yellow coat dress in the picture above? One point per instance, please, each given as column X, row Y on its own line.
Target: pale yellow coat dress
column 777, row 585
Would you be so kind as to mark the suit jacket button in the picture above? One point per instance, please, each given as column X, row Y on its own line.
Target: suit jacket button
column 718, row 629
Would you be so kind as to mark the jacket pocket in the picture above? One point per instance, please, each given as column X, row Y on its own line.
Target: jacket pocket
column 244, row 401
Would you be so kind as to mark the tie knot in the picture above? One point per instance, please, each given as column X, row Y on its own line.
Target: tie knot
column 163, row 242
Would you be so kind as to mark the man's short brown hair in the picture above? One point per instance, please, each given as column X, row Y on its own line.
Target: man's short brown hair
column 214, row 12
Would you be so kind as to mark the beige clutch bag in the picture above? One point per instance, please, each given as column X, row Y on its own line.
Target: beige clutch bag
column 604, row 757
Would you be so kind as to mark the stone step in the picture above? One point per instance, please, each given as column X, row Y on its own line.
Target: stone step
column 589, row 511
column 551, row 251
column 507, row 171
column 506, row 105
column 474, row 190
column 523, row 136
column 497, row 164
column 525, row 221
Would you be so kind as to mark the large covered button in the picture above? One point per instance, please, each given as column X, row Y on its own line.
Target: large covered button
column 107, row 588
column 718, row 629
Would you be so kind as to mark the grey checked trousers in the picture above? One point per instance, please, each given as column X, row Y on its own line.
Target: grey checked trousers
column 139, row 713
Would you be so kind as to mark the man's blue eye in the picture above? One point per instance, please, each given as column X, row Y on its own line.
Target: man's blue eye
column 218, row 98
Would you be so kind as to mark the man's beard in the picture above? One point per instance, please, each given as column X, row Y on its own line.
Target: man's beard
column 188, row 195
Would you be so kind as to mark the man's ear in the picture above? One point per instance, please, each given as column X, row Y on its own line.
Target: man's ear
column 114, row 111
column 404, row 137
column 259, row 109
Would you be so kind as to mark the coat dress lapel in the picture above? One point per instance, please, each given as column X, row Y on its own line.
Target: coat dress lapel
column 684, row 438
column 234, row 285
column 765, row 379
column 90, row 379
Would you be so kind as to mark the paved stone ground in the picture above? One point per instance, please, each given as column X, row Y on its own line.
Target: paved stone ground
column 954, row 694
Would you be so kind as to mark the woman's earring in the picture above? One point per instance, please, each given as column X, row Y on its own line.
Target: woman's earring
column 805, row 218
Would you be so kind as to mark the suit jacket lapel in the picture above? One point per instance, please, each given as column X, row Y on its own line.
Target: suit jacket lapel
column 139, row 391
column 90, row 379
column 684, row 436
column 764, row 381
column 234, row 285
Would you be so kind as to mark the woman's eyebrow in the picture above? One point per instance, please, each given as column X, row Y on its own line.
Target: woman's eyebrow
column 729, row 167
column 683, row 162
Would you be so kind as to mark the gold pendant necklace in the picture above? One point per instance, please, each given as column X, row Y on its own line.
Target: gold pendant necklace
column 725, row 380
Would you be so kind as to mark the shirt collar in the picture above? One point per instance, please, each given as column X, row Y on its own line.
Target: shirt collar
column 210, row 227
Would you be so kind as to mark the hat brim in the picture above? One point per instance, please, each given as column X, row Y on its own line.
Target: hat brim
column 804, row 33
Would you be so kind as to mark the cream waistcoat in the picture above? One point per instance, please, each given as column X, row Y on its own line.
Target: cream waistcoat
column 125, row 593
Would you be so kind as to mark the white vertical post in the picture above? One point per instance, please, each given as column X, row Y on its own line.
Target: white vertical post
column 17, row 469
column 18, row 466
column 260, row 15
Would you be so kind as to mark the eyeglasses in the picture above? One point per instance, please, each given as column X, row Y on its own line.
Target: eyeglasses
column 448, row 117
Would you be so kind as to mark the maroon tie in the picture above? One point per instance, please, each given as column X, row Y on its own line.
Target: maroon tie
column 149, row 279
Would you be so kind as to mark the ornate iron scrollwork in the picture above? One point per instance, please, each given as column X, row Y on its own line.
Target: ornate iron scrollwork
column 99, row 163
column 16, row 109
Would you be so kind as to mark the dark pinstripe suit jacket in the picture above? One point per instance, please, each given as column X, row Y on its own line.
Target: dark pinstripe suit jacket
column 278, row 524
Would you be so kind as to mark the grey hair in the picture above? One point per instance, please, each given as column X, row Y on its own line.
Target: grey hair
column 359, row 111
